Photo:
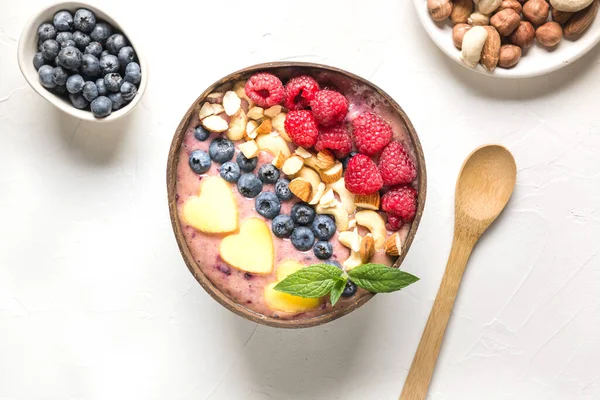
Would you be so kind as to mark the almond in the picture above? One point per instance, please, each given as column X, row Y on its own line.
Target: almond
column 231, row 103
column 279, row 160
column 206, row 110
column 249, row 149
column 325, row 159
column 301, row 188
column 271, row 112
column 332, row 174
column 461, row 11
column 292, row 165
column 367, row 201
column 214, row 123
column 251, row 129
column 302, row 152
column 278, row 123
column 491, row 49
column 560, row 16
column 215, row 98
column 256, row 113
column 393, row 245
column 264, row 127
column 367, row 248
column 581, row 21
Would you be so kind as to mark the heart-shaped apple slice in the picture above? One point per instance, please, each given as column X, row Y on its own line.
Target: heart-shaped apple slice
column 214, row 210
column 251, row 250
column 286, row 302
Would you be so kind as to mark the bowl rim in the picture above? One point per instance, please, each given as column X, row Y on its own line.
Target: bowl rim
column 28, row 70
column 193, row 267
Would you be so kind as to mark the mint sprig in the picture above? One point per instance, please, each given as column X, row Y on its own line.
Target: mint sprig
column 320, row 279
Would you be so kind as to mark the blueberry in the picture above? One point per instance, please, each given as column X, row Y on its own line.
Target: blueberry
column 81, row 40
column 267, row 204
column 46, row 31
column 63, row 37
column 115, row 43
column 68, row 43
column 199, row 161
column 105, row 53
column 46, row 76
column 282, row 189
column 109, row 64
column 78, row 100
column 63, row 20
column 60, row 90
column 268, row 173
column 282, row 226
column 323, row 227
column 323, row 250
column 128, row 90
column 90, row 91
column 345, row 160
column 302, row 238
column 101, row 86
column 349, row 290
column 230, row 171
column 126, row 55
column 69, row 57
column 221, row 149
column 75, row 83
column 113, row 81
column 38, row 60
column 94, row 48
column 249, row 185
column 133, row 72
column 101, row 106
column 101, row 32
column 50, row 49
column 60, row 76
column 84, row 20
column 90, row 66
column 200, row 133
column 246, row 164
column 334, row 263
column 117, row 100
column 302, row 214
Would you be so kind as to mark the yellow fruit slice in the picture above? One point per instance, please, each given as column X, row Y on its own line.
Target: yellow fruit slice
column 286, row 268
column 286, row 302
column 214, row 210
column 250, row 250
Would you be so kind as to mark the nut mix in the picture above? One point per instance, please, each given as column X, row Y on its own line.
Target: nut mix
column 496, row 32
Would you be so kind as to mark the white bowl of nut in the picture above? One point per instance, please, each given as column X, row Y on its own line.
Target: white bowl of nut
column 512, row 38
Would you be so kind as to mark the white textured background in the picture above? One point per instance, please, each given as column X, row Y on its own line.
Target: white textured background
column 95, row 300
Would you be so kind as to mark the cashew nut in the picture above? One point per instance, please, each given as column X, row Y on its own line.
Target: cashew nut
column 338, row 212
column 488, row 6
column 472, row 45
column 375, row 224
column 352, row 240
column 346, row 197
column 570, row 5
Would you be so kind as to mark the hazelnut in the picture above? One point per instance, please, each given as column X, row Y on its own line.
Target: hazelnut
column 510, row 4
column 536, row 11
column 509, row 55
column 561, row 16
column 439, row 9
column 461, row 11
column 506, row 21
column 458, row 32
column 549, row 34
column 523, row 36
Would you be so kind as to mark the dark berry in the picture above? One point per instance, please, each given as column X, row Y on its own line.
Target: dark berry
column 94, row 48
column 267, row 205
column 109, row 64
column 268, row 173
column 349, row 290
column 346, row 159
column 50, row 49
column 246, row 164
column 63, row 37
column 221, row 150
column 101, row 86
column 199, row 161
column 60, row 90
column 81, row 40
column 126, row 55
column 230, row 171
column 113, row 81
column 69, row 57
column 60, row 76
column 68, row 43
column 46, row 76
column 90, row 66
column 101, row 106
column 133, row 73
column 302, row 238
column 249, row 185
column 84, row 20
column 101, row 32
column 201, row 134
column 78, row 100
column 282, row 189
column 46, row 31
column 128, row 90
column 303, row 214
column 90, row 91
column 117, row 100
column 63, row 21
column 323, row 250
column 334, row 263
column 282, row 226
column 323, row 227
column 75, row 83
column 115, row 43
column 38, row 60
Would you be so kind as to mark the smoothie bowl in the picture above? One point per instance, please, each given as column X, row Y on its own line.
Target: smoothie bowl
column 280, row 167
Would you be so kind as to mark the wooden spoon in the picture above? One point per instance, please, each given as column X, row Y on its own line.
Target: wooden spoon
column 485, row 183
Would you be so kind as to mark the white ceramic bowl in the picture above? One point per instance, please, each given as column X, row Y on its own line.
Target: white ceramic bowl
column 28, row 47
column 537, row 60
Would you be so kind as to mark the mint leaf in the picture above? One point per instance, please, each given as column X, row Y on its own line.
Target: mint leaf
column 337, row 290
column 311, row 282
column 378, row 278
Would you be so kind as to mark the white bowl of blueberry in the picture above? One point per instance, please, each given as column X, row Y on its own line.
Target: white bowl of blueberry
column 79, row 59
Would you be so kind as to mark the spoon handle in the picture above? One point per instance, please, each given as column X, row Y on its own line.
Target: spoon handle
column 421, row 370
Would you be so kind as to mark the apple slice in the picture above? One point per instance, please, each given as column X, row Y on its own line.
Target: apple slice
column 286, row 302
column 252, row 249
column 214, row 210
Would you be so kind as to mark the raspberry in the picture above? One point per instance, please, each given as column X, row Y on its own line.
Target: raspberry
column 401, row 202
column 371, row 133
column 299, row 92
column 393, row 223
column 395, row 165
column 301, row 126
column 335, row 138
column 329, row 107
column 264, row 89
column 362, row 175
